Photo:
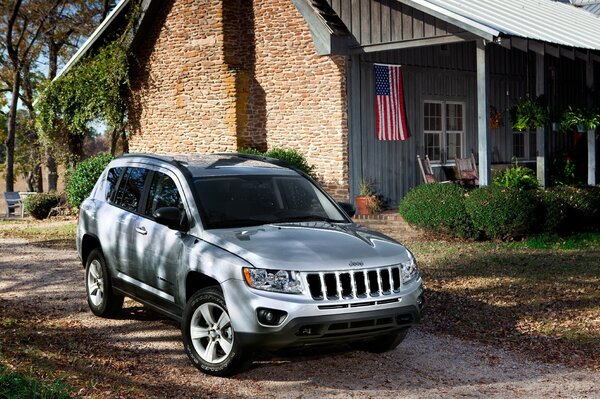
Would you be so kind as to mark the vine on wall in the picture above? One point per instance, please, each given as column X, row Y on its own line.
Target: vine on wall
column 94, row 91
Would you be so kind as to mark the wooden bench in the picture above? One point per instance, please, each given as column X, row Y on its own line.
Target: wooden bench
column 13, row 201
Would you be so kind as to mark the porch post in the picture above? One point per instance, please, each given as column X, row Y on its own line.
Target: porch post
column 591, row 134
column 540, row 133
column 482, row 115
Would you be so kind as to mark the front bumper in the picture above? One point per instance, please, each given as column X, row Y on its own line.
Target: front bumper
column 309, row 322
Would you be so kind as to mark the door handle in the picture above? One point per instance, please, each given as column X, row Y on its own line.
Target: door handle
column 141, row 230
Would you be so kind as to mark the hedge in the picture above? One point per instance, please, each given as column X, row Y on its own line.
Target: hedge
column 290, row 156
column 501, row 212
column 39, row 205
column 82, row 180
column 438, row 207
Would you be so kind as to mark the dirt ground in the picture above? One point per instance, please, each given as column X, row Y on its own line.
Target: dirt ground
column 44, row 317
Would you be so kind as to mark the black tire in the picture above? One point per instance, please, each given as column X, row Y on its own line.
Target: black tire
column 383, row 343
column 215, row 349
column 100, row 296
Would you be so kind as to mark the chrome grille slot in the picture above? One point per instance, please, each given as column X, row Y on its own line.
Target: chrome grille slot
column 347, row 285
column 331, row 286
column 373, row 278
column 385, row 281
column 396, row 278
column 361, row 287
column 314, row 285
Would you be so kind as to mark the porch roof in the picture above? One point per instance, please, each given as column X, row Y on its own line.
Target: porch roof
column 542, row 20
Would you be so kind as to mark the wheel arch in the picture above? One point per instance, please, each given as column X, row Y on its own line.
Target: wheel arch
column 196, row 281
column 89, row 242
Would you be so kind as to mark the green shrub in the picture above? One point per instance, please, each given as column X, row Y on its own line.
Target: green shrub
column 516, row 177
column 40, row 205
column 289, row 156
column 82, row 180
column 582, row 206
column 502, row 213
column 438, row 208
column 553, row 212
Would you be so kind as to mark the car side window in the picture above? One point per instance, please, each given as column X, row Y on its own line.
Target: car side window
column 131, row 187
column 163, row 193
column 111, row 182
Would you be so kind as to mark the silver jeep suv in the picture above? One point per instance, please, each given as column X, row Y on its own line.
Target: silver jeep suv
column 247, row 253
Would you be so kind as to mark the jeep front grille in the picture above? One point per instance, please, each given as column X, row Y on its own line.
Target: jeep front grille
column 352, row 284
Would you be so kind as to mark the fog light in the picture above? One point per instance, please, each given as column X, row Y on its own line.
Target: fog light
column 270, row 317
column 421, row 301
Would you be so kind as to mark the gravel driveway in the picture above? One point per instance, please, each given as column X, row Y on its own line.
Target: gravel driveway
column 140, row 354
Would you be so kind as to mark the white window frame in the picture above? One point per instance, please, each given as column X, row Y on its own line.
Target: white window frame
column 443, row 134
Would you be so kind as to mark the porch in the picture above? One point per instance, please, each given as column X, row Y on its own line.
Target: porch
column 464, row 64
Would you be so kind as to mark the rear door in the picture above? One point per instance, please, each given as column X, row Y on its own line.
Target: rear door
column 127, row 200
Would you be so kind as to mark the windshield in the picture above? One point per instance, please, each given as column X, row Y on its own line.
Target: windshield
column 238, row 201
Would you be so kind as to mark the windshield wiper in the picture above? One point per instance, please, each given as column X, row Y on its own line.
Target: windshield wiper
column 308, row 218
column 236, row 223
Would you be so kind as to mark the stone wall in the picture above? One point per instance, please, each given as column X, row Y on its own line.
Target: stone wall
column 216, row 75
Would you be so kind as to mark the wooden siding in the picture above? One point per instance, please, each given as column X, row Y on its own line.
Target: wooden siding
column 384, row 21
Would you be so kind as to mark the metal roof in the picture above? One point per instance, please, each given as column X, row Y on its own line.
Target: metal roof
column 594, row 9
column 544, row 20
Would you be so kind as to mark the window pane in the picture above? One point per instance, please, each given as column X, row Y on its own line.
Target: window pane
column 111, row 182
column 163, row 193
column 519, row 145
column 453, row 145
column 432, row 146
column 454, row 117
column 130, row 189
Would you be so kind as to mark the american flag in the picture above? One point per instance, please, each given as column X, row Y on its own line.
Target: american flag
column 390, row 119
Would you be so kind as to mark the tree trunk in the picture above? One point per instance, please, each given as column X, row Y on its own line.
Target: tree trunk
column 12, row 127
column 52, row 174
column 51, row 166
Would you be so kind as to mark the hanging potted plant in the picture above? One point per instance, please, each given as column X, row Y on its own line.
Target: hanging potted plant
column 367, row 202
column 528, row 114
column 582, row 118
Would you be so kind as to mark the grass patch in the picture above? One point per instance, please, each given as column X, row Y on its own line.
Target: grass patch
column 537, row 296
column 61, row 234
column 571, row 242
column 15, row 385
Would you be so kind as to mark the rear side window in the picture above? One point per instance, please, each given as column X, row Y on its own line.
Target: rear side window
column 131, row 187
column 111, row 182
column 163, row 193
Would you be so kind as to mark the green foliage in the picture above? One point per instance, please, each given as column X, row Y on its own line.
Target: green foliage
column 82, row 180
column 528, row 114
column 439, row 208
column 502, row 213
column 582, row 206
column 553, row 212
column 516, row 177
column 18, row 386
column 92, row 90
column 290, row 156
column 587, row 117
column 39, row 205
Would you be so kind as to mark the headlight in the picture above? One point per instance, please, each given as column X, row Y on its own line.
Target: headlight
column 410, row 271
column 273, row 280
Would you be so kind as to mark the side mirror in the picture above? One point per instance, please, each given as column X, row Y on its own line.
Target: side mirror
column 171, row 217
column 349, row 208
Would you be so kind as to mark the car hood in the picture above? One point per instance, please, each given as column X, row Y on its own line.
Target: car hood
column 314, row 246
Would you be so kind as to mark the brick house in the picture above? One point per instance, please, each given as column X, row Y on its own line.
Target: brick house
column 217, row 75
